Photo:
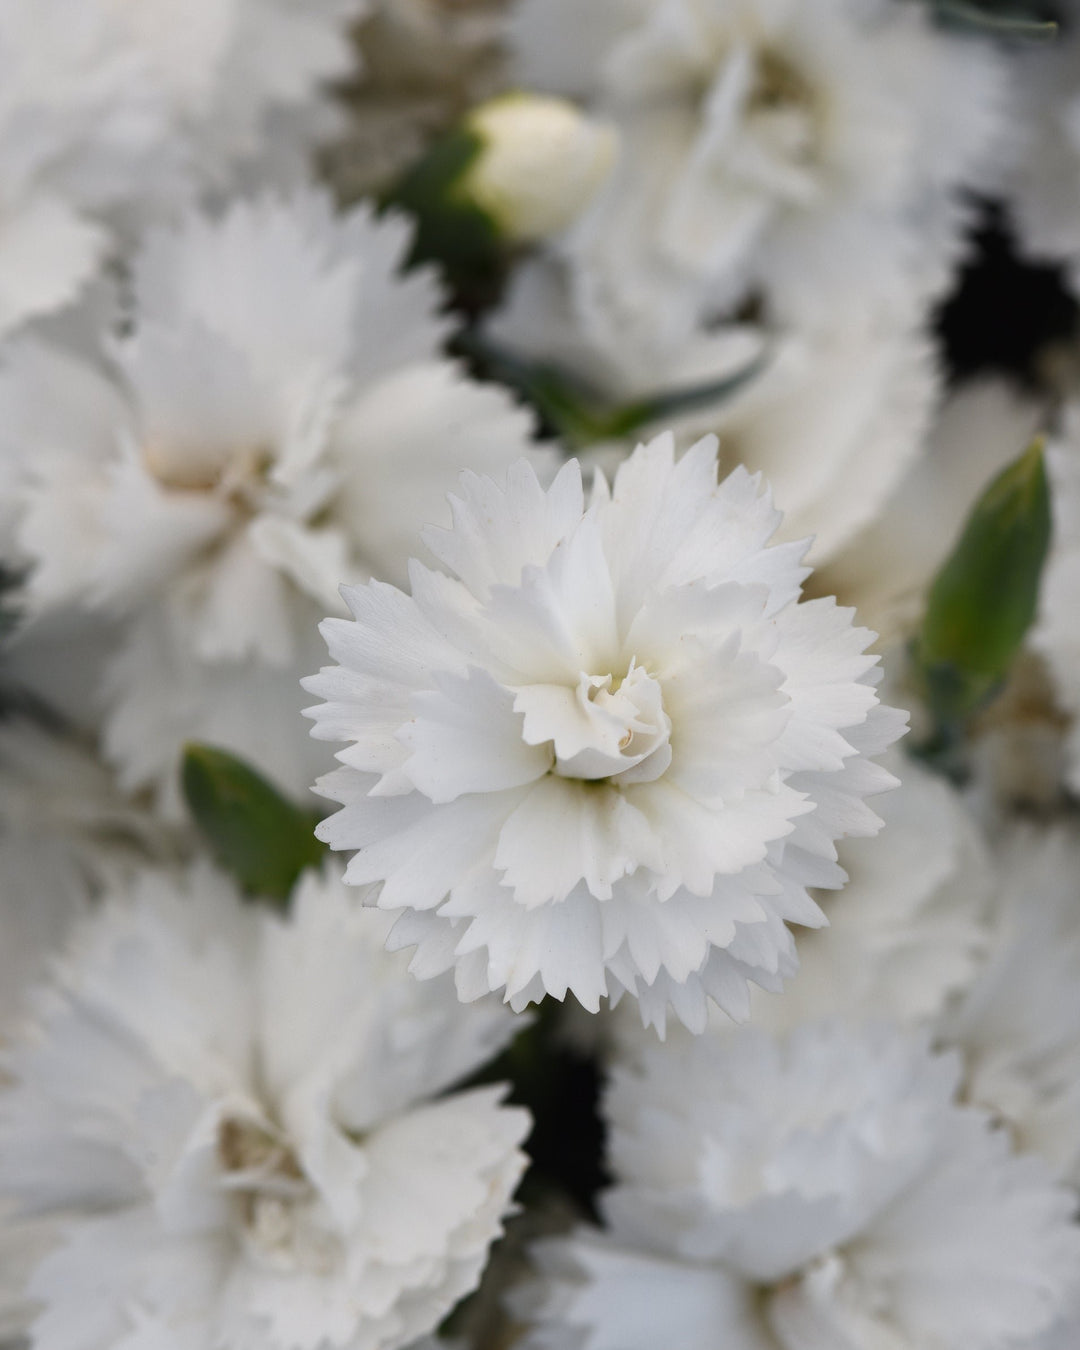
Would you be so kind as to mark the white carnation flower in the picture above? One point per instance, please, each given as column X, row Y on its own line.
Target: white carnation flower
column 773, row 143
column 818, row 1193
column 1019, row 1026
column 244, row 1127
column 277, row 419
column 605, row 749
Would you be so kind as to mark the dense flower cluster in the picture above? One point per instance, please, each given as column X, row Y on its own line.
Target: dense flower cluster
column 640, row 439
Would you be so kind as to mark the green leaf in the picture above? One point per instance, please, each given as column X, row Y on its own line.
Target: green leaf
column 255, row 833
column 450, row 229
column 578, row 414
column 983, row 600
column 1008, row 22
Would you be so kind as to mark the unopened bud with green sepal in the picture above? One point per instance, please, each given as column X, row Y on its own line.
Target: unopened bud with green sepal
column 541, row 162
column 254, row 832
column 515, row 170
column 984, row 598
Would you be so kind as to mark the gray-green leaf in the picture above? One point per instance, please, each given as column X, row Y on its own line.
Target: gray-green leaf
column 984, row 598
column 255, row 833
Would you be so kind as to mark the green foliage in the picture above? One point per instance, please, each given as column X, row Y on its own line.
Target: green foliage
column 1030, row 22
column 255, row 833
column 577, row 414
column 984, row 598
column 450, row 229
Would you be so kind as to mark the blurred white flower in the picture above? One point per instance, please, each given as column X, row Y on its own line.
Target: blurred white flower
column 23, row 1242
column 910, row 927
column 770, row 143
column 833, row 419
column 66, row 836
column 423, row 63
column 808, row 1194
column 1019, row 1026
column 80, row 129
column 886, row 569
column 1045, row 178
column 605, row 749
column 276, row 420
column 243, row 1126
column 237, row 81
column 1057, row 634
column 113, row 111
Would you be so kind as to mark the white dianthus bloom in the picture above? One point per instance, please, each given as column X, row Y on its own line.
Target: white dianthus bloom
column 819, row 1193
column 245, row 1128
column 605, row 749
column 1057, row 635
column 775, row 143
column 1019, row 1026
column 831, row 419
column 66, row 835
column 277, row 419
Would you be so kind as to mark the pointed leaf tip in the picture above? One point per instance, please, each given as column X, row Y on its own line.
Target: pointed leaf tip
column 983, row 600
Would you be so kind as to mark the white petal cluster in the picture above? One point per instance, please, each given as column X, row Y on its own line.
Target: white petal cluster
column 822, row 1191
column 1057, row 636
column 887, row 568
column 275, row 417
column 115, row 111
column 423, row 63
column 772, row 143
column 66, row 836
column 1046, row 174
column 832, row 419
column 1017, row 1024
column 910, row 928
column 237, row 78
column 79, row 126
column 246, row 1130
column 604, row 749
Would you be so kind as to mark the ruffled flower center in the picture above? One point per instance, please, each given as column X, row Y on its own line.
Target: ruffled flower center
column 238, row 476
column 779, row 111
column 273, row 1199
column 604, row 728
column 825, row 1303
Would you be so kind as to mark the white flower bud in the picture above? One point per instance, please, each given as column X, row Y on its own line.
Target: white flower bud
column 541, row 163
